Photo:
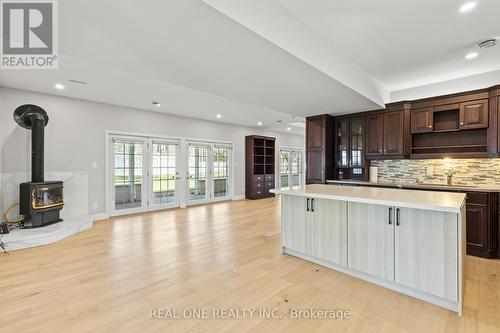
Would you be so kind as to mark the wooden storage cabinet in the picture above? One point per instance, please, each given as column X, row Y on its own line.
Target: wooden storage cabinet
column 416, row 251
column 374, row 135
column 371, row 239
column 315, row 227
column 456, row 128
column 259, row 166
column 425, row 251
column 474, row 114
column 422, row 120
column 350, row 148
column 319, row 149
column 393, row 133
column 415, row 248
column 482, row 224
column 386, row 135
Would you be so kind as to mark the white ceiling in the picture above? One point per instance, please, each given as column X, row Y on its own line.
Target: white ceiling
column 202, row 58
column 408, row 43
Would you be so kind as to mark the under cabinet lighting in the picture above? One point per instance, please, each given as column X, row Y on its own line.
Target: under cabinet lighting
column 218, row 116
column 59, row 86
column 259, row 123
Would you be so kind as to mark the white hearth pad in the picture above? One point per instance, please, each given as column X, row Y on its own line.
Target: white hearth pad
column 25, row 238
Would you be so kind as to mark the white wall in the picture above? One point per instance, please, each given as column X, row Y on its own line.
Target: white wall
column 478, row 81
column 2, row 134
column 75, row 136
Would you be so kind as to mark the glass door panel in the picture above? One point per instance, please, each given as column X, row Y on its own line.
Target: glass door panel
column 342, row 142
column 128, row 167
column 356, row 142
column 221, row 171
column 284, row 168
column 165, row 174
column 197, row 173
column 296, row 169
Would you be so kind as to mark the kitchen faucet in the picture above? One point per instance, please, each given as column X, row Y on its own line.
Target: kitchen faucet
column 449, row 177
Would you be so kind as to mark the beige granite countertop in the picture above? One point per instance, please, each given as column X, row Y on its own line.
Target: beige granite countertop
column 430, row 200
column 423, row 186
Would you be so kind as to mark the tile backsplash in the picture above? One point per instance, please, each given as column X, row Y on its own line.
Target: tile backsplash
column 477, row 171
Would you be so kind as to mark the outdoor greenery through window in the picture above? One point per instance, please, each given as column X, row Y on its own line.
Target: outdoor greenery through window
column 128, row 174
column 164, row 173
column 221, row 171
column 198, row 169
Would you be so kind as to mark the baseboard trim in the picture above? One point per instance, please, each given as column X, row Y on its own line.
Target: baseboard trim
column 238, row 197
column 99, row 216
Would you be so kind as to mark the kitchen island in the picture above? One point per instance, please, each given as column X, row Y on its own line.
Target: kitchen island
column 409, row 241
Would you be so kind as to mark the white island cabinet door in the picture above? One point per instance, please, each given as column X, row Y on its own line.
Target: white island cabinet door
column 328, row 221
column 426, row 252
column 295, row 229
column 371, row 239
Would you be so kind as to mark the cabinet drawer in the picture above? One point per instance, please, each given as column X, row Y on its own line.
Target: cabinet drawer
column 258, row 185
column 269, row 185
column 258, row 178
column 269, row 178
column 477, row 198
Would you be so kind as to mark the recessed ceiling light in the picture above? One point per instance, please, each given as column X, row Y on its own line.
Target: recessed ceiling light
column 259, row 123
column 471, row 55
column 468, row 6
column 218, row 116
column 59, row 86
column 288, row 128
column 157, row 104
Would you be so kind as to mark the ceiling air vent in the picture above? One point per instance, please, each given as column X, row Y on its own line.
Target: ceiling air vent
column 487, row 43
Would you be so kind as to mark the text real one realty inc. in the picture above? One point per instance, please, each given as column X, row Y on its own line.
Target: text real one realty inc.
column 238, row 313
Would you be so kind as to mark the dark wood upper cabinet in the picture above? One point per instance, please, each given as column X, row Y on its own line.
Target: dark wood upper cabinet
column 315, row 130
column 374, row 135
column 422, row 120
column 387, row 134
column 393, row 133
column 319, row 149
column 474, row 114
column 350, row 147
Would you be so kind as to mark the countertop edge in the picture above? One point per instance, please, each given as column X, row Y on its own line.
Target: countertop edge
column 423, row 187
column 456, row 210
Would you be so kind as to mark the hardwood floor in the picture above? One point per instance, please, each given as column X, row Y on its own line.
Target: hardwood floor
column 225, row 255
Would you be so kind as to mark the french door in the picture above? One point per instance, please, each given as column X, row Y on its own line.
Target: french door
column 165, row 180
column 209, row 172
column 152, row 173
column 129, row 165
column 291, row 170
column 197, row 174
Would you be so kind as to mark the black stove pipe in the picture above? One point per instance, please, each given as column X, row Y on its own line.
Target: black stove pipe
column 37, row 148
column 34, row 118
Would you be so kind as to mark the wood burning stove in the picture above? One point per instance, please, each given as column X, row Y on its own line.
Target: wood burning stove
column 40, row 202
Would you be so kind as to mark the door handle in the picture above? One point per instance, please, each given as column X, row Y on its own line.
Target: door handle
column 397, row 216
column 307, row 204
column 312, row 205
column 390, row 215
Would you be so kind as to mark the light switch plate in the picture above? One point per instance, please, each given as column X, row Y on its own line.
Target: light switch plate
column 430, row 171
